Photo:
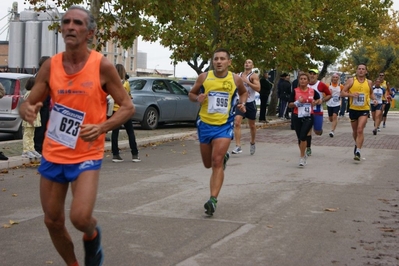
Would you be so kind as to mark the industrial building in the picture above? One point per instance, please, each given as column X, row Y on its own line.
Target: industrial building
column 31, row 37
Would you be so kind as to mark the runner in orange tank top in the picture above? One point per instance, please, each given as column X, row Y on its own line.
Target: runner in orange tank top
column 78, row 81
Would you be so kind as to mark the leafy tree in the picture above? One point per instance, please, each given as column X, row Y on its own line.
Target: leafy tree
column 275, row 34
column 379, row 51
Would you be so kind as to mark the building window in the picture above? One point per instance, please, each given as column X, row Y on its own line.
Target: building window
column 131, row 63
column 115, row 59
column 115, row 48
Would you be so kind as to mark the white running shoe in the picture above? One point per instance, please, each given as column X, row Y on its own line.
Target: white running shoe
column 28, row 154
column 252, row 149
column 37, row 155
column 302, row 161
column 236, row 150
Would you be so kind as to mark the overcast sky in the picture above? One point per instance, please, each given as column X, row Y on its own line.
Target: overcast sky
column 157, row 56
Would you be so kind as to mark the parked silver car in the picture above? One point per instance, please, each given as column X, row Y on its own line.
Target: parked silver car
column 161, row 100
column 187, row 83
column 14, row 85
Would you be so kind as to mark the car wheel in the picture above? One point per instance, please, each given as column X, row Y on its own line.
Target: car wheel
column 150, row 120
column 19, row 133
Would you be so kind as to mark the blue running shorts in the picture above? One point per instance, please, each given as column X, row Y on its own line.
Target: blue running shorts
column 207, row 133
column 64, row 173
column 318, row 122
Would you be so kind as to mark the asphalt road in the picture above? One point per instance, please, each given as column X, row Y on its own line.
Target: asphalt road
column 334, row 211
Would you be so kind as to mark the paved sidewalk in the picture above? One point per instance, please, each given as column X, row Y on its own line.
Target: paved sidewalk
column 13, row 149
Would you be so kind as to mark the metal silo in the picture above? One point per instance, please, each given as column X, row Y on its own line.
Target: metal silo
column 60, row 44
column 28, row 15
column 16, row 46
column 32, row 45
column 48, row 40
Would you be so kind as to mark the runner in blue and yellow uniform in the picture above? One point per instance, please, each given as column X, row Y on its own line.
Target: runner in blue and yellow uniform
column 216, row 91
column 359, row 90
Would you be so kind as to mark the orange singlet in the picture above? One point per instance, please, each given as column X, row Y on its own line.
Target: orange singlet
column 78, row 99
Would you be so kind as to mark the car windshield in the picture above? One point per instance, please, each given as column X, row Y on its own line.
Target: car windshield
column 137, row 84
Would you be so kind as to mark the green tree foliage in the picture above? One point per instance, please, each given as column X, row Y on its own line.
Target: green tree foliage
column 380, row 52
column 275, row 34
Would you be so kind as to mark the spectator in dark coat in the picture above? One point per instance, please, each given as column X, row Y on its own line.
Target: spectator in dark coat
column 265, row 89
column 283, row 93
column 44, row 115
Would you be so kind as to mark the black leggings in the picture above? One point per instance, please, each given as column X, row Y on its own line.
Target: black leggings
column 302, row 126
column 386, row 109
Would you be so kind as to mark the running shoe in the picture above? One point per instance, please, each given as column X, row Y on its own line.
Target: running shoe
column 28, row 154
column 93, row 251
column 37, row 155
column 210, row 207
column 308, row 151
column 357, row 156
column 236, row 150
column 117, row 158
column 383, row 125
column 331, row 134
column 374, row 131
column 136, row 158
column 226, row 158
column 378, row 129
column 252, row 149
column 3, row 157
column 302, row 161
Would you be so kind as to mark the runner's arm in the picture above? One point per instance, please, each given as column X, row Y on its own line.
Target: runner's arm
column 40, row 90
column 112, row 84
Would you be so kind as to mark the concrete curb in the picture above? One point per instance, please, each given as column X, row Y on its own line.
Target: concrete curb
column 18, row 161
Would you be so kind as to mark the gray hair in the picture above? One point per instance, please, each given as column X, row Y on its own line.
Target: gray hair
column 91, row 23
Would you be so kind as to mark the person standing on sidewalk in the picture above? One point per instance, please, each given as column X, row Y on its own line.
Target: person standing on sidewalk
column 283, row 93
column 216, row 91
column 128, row 125
column 28, row 147
column 265, row 89
column 325, row 95
column 303, row 98
column 78, row 81
column 40, row 131
column 333, row 105
column 251, row 83
column 2, row 93
column 359, row 90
